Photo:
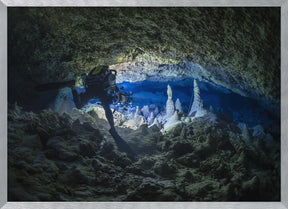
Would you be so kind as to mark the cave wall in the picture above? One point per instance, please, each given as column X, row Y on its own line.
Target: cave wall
column 237, row 47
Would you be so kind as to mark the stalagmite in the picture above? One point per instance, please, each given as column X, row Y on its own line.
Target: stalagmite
column 135, row 121
column 169, row 104
column 155, row 122
column 64, row 101
column 245, row 133
column 197, row 108
column 150, row 118
column 137, row 111
column 156, row 111
column 171, row 123
column 178, row 106
column 145, row 111
column 142, row 122
column 211, row 109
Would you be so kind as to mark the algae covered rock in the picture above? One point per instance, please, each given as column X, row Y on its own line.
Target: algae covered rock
column 199, row 161
column 164, row 169
column 240, row 48
column 181, row 148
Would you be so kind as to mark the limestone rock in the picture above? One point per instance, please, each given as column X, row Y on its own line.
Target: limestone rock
column 64, row 101
column 142, row 122
column 118, row 117
column 169, row 92
column 245, row 133
column 178, row 106
column 211, row 109
column 164, row 169
column 196, row 161
column 199, row 188
column 172, row 122
column 155, row 123
column 190, row 160
column 269, row 140
column 145, row 111
column 134, row 123
column 75, row 175
column 86, row 149
column 32, row 141
column 59, row 149
column 258, row 131
column 169, row 104
column 181, row 148
column 197, row 109
column 150, row 119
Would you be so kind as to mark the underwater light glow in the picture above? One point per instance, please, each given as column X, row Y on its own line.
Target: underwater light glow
column 232, row 106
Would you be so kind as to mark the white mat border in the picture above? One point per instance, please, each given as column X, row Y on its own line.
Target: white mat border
column 144, row 205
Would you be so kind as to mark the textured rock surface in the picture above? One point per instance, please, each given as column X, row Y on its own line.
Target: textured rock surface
column 197, row 108
column 235, row 47
column 54, row 157
column 169, row 103
column 172, row 122
column 178, row 106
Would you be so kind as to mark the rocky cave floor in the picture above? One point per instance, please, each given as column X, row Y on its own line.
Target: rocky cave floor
column 54, row 157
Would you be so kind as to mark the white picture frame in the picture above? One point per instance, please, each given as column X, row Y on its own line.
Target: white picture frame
column 144, row 205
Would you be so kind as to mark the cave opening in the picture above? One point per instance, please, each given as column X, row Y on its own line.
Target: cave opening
column 220, row 65
column 226, row 104
column 229, row 105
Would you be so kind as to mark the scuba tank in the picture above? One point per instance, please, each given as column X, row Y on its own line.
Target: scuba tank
column 100, row 76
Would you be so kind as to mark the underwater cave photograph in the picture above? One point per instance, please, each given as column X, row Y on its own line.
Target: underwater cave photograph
column 112, row 104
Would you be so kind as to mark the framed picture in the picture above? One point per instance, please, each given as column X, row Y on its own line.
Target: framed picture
column 143, row 104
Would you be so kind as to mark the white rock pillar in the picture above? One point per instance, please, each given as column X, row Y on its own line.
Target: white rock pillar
column 169, row 104
column 172, row 122
column 178, row 106
column 155, row 122
column 145, row 111
column 150, row 118
column 197, row 108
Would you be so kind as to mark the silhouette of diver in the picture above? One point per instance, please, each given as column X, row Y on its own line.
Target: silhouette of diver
column 99, row 83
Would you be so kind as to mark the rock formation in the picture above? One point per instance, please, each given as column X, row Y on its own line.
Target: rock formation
column 169, row 104
column 178, row 106
column 142, row 122
column 211, row 109
column 64, row 101
column 118, row 117
column 53, row 157
column 258, row 131
column 245, row 133
column 142, row 51
column 197, row 109
column 136, row 121
column 145, row 111
column 150, row 119
column 155, row 122
column 171, row 123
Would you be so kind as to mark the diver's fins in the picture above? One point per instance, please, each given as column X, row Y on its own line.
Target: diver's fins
column 122, row 144
column 51, row 86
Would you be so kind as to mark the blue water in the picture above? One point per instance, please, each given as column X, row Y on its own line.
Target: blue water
column 228, row 105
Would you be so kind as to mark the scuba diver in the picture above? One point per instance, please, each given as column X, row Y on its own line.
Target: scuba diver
column 100, row 84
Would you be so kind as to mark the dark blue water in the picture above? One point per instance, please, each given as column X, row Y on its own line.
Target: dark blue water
column 226, row 104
